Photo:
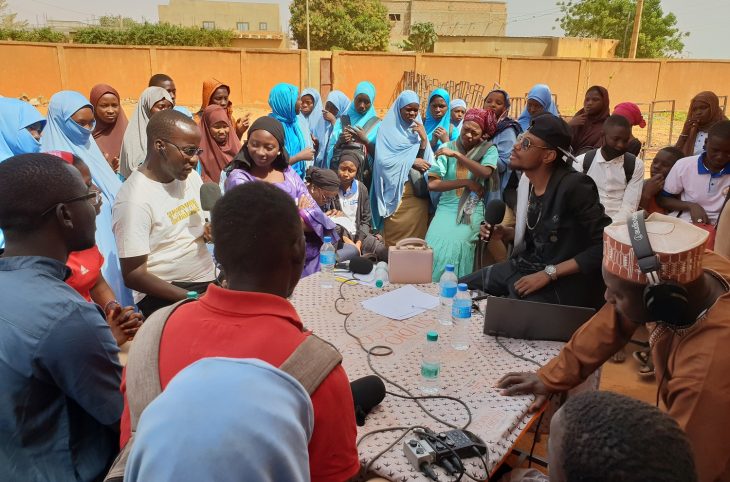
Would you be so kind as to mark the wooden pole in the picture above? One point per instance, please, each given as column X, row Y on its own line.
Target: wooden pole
column 309, row 52
column 637, row 28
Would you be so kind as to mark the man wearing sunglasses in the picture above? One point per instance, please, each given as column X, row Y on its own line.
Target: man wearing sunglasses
column 558, row 232
column 60, row 403
column 158, row 220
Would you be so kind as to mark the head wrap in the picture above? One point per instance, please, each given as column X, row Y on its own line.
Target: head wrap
column 456, row 104
column 226, row 420
column 485, row 118
column 352, row 157
column 541, row 94
column 396, row 147
column 63, row 134
column 215, row 157
column 315, row 120
column 283, row 100
column 680, row 246
column 356, row 120
column 108, row 136
column 325, row 179
column 432, row 124
column 588, row 136
column 243, row 160
column 631, row 112
column 15, row 117
column 209, row 88
column 134, row 146
column 716, row 115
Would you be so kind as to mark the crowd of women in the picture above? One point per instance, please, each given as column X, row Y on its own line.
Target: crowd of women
column 368, row 182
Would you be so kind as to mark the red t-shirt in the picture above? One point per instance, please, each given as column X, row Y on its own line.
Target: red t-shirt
column 237, row 324
column 85, row 270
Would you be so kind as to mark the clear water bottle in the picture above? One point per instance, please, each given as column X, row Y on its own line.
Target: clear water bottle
column 381, row 274
column 447, row 291
column 430, row 364
column 327, row 263
column 461, row 316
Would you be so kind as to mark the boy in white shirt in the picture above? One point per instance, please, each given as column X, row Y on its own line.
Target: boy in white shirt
column 158, row 221
column 618, row 174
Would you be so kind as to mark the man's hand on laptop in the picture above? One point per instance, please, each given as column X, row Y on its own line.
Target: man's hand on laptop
column 524, row 384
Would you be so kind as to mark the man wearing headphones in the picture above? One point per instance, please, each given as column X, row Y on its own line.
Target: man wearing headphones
column 657, row 273
column 158, row 221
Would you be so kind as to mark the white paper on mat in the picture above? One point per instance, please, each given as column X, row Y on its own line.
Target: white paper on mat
column 402, row 303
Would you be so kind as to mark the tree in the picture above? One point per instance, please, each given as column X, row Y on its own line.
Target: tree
column 7, row 19
column 341, row 25
column 154, row 34
column 44, row 34
column 116, row 21
column 659, row 36
column 421, row 38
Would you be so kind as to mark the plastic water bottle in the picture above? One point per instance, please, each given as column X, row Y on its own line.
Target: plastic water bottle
column 381, row 274
column 430, row 364
column 461, row 315
column 327, row 263
column 447, row 291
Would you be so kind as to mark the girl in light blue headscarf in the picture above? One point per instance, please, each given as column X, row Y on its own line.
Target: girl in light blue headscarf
column 336, row 106
column 20, row 130
column 439, row 129
column 458, row 110
column 539, row 100
column 362, row 119
column 62, row 133
column 401, row 144
column 284, row 100
column 209, row 424
column 314, row 119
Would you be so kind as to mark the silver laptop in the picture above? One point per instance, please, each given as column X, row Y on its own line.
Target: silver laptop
column 529, row 320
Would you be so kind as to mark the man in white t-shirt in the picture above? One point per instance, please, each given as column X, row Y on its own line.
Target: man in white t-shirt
column 618, row 175
column 158, row 222
column 696, row 187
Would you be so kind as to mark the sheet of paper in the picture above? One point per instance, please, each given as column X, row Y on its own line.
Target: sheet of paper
column 402, row 303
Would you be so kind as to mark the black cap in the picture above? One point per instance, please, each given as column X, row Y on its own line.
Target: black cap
column 553, row 130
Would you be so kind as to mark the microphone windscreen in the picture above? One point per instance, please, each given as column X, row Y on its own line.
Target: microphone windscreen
column 494, row 212
column 210, row 193
column 367, row 393
column 361, row 265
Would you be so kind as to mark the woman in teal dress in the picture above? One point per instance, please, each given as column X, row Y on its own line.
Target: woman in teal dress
column 462, row 167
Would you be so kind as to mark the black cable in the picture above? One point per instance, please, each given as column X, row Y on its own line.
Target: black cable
column 537, row 433
column 520, row 357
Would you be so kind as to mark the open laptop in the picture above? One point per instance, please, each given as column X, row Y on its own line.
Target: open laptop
column 529, row 320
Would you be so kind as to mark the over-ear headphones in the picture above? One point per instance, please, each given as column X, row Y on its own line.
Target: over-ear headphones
column 666, row 301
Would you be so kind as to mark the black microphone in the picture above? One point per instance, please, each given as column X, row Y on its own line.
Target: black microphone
column 367, row 393
column 210, row 193
column 493, row 214
column 359, row 265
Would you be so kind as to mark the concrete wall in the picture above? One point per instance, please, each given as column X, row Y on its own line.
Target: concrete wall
column 225, row 15
column 526, row 46
column 34, row 70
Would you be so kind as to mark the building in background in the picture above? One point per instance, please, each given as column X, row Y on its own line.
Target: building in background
column 591, row 48
column 257, row 25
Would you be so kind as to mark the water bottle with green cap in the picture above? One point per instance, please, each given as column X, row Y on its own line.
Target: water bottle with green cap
column 430, row 364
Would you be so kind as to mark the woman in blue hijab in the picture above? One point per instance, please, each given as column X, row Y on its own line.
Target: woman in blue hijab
column 504, row 138
column 539, row 100
column 362, row 120
column 20, row 128
column 336, row 106
column 310, row 113
column 458, row 110
column 69, row 128
column 438, row 119
column 401, row 146
column 227, row 420
column 284, row 102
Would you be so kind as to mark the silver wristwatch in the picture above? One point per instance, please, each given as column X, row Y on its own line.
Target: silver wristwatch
column 551, row 271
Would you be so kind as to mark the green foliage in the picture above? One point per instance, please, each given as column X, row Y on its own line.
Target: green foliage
column 7, row 19
column 341, row 25
column 658, row 37
column 116, row 21
column 421, row 38
column 154, row 34
column 33, row 35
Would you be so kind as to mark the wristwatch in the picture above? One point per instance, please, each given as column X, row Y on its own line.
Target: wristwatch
column 551, row 271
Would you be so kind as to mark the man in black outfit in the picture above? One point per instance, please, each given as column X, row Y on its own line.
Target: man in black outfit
column 559, row 229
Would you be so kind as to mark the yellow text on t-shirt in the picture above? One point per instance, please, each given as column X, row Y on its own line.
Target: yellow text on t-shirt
column 183, row 211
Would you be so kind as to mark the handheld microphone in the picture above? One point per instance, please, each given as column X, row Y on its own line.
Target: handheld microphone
column 210, row 193
column 367, row 393
column 493, row 214
column 361, row 265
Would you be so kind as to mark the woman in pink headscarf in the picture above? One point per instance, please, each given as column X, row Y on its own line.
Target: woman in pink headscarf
column 464, row 172
column 632, row 113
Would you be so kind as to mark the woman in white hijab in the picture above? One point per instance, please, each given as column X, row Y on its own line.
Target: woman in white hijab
column 134, row 145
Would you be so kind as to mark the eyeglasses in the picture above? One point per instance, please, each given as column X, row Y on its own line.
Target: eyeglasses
column 325, row 197
column 525, row 143
column 186, row 151
column 93, row 198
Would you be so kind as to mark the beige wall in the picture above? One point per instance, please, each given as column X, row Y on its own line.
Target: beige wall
column 226, row 15
column 42, row 69
column 272, row 42
column 526, row 46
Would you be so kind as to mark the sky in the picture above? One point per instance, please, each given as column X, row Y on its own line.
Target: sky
column 706, row 20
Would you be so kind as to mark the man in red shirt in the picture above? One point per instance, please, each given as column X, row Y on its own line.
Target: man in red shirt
column 260, row 247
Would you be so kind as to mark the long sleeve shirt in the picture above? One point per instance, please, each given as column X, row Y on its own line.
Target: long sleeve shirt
column 691, row 365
